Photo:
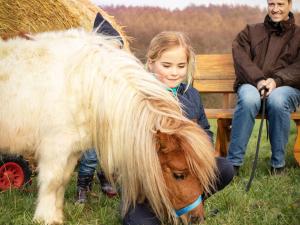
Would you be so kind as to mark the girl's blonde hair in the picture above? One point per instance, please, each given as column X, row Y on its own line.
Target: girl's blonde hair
column 167, row 40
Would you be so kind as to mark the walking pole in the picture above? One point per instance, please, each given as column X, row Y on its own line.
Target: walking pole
column 259, row 137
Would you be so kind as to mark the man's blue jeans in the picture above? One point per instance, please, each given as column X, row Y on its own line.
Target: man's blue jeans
column 280, row 103
column 88, row 163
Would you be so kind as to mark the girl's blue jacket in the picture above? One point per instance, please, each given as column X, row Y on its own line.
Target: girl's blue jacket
column 193, row 108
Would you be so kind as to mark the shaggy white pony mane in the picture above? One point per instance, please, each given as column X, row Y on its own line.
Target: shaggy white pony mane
column 79, row 91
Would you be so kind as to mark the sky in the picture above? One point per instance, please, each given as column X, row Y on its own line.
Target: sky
column 172, row 4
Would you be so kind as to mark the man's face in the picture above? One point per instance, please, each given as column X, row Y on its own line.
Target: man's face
column 278, row 10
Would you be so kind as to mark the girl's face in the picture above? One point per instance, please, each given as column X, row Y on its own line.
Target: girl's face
column 171, row 67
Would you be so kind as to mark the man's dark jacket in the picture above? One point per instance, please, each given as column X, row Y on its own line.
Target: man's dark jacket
column 268, row 50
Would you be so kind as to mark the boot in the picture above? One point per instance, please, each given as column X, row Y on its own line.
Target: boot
column 236, row 170
column 277, row 171
column 106, row 187
column 84, row 185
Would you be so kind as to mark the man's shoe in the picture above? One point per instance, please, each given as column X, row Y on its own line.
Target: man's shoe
column 236, row 170
column 277, row 171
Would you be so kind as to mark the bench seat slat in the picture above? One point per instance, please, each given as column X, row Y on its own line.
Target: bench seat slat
column 228, row 114
column 214, row 86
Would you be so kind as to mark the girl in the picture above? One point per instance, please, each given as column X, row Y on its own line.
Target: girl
column 171, row 59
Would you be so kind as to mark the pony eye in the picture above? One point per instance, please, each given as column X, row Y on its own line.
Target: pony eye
column 179, row 176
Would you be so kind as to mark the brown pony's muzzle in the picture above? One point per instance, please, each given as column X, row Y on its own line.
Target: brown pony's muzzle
column 196, row 216
column 196, row 220
column 192, row 219
column 192, row 213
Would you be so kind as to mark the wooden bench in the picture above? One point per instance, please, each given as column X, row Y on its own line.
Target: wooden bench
column 215, row 74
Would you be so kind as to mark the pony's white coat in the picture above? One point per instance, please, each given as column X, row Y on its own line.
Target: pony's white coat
column 65, row 92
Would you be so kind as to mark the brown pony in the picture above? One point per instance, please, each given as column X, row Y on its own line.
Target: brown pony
column 64, row 92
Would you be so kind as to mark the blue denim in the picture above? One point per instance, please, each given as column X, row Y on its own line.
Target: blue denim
column 280, row 103
column 88, row 163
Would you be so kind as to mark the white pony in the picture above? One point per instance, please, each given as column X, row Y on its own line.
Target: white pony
column 64, row 92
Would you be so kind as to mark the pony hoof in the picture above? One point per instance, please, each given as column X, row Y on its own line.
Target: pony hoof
column 48, row 222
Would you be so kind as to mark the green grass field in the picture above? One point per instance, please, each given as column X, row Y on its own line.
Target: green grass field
column 272, row 200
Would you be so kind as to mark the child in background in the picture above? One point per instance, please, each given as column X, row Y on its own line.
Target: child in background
column 171, row 59
column 89, row 161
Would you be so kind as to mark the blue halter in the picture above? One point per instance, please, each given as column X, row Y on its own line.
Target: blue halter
column 190, row 207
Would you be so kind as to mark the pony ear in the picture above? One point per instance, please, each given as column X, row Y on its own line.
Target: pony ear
column 21, row 34
column 160, row 144
column 166, row 143
column 102, row 26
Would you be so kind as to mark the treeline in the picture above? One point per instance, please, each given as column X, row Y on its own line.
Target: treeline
column 211, row 28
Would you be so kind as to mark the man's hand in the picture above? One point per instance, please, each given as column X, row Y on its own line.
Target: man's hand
column 260, row 86
column 270, row 85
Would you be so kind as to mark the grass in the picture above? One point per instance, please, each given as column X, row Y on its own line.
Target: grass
column 272, row 200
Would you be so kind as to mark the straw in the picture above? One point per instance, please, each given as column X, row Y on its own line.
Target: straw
column 32, row 16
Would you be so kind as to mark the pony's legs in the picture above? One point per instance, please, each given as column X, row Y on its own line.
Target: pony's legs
column 72, row 161
column 55, row 168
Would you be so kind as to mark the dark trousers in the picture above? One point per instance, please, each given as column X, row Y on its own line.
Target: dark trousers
column 142, row 214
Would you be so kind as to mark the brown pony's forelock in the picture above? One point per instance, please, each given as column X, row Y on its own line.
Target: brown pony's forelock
column 199, row 153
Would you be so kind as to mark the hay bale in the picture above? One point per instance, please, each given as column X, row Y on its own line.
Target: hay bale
column 34, row 16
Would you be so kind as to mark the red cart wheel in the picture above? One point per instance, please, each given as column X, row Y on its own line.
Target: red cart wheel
column 14, row 172
column 11, row 175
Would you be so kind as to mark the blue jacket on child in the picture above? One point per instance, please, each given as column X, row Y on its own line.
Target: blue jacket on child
column 193, row 108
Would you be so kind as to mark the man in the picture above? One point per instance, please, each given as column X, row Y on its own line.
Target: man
column 266, row 55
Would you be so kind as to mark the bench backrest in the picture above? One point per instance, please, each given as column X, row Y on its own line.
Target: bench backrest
column 215, row 74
